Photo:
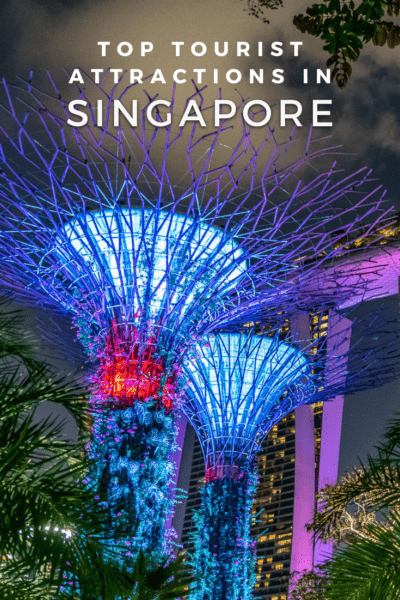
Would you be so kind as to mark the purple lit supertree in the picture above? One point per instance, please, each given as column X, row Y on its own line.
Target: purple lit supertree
column 151, row 239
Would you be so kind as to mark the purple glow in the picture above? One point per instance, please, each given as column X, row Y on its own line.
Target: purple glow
column 304, row 491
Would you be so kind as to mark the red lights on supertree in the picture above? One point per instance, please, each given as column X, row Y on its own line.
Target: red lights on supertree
column 131, row 371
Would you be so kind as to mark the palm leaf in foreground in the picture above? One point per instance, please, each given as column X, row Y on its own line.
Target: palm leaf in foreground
column 167, row 581
column 375, row 486
column 42, row 493
column 52, row 527
column 368, row 568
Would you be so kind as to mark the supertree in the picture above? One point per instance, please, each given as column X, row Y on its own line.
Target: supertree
column 150, row 238
column 238, row 387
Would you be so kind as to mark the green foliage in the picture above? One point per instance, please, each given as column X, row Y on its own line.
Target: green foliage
column 52, row 529
column 130, row 449
column 256, row 8
column 97, row 579
column 345, row 29
column 142, row 580
column 368, row 566
column 224, row 552
column 41, row 491
column 375, row 486
column 166, row 581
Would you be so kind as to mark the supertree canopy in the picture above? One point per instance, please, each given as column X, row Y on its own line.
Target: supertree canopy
column 147, row 264
column 239, row 385
column 150, row 238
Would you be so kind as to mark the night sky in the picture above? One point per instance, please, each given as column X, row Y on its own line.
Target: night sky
column 51, row 34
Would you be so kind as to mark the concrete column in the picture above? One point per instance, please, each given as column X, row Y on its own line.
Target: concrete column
column 304, row 486
column 338, row 344
column 304, row 490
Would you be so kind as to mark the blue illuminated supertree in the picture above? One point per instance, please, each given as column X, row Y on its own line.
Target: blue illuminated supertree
column 239, row 386
column 151, row 238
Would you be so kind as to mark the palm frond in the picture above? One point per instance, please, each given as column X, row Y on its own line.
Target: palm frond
column 375, row 484
column 368, row 568
column 53, row 530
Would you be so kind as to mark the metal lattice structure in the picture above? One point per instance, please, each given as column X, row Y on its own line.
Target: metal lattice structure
column 149, row 238
column 239, row 387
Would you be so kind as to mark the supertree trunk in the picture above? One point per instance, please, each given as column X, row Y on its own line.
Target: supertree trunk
column 224, row 559
column 131, row 448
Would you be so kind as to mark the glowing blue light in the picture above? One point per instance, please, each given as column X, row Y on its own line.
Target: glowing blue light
column 150, row 261
column 238, row 387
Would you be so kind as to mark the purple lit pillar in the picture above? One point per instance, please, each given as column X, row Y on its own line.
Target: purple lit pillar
column 304, row 490
column 329, row 461
column 338, row 344
column 304, row 469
